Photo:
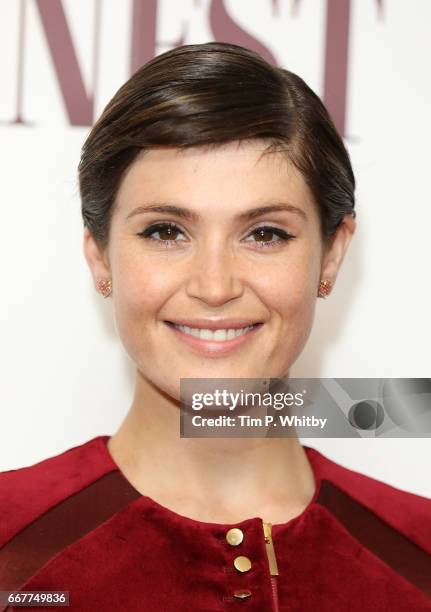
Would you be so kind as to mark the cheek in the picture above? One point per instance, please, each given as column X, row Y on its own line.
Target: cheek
column 290, row 293
column 296, row 298
column 140, row 291
column 295, row 305
column 291, row 287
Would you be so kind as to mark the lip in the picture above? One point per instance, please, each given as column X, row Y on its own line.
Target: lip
column 226, row 323
column 212, row 347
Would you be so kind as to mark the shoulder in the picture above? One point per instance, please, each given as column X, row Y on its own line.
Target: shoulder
column 28, row 492
column 346, row 491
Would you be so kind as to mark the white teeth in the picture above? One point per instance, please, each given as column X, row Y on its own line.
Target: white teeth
column 217, row 335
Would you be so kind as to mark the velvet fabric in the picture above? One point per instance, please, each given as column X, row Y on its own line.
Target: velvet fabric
column 74, row 523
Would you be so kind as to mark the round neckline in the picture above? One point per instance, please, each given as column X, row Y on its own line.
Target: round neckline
column 176, row 516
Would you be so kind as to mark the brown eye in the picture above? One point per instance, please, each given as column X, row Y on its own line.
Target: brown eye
column 263, row 236
column 168, row 233
column 162, row 232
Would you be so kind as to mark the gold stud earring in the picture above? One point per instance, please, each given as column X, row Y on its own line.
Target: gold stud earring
column 104, row 286
column 325, row 287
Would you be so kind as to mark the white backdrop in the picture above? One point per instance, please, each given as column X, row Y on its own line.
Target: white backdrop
column 64, row 375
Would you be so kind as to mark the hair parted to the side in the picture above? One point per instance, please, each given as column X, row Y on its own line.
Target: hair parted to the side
column 210, row 94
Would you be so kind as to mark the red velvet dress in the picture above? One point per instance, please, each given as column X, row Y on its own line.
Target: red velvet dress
column 74, row 523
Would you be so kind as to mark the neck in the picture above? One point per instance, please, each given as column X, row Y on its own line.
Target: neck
column 221, row 480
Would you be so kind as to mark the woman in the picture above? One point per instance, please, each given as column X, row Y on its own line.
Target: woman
column 216, row 195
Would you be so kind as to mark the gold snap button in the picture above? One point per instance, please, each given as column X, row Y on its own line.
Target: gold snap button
column 234, row 536
column 242, row 564
column 242, row 594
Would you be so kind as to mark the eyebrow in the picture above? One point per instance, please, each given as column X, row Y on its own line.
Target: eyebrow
column 191, row 215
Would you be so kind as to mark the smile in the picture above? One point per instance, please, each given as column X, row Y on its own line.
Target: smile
column 214, row 342
column 217, row 335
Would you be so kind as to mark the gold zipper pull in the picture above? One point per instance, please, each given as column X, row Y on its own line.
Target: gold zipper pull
column 270, row 549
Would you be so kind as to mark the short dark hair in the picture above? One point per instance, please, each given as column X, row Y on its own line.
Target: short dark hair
column 210, row 94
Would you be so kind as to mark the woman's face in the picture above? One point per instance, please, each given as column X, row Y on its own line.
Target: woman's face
column 229, row 253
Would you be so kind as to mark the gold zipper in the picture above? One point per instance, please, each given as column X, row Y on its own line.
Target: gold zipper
column 267, row 527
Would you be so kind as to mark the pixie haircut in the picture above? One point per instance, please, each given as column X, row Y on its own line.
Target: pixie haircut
column 211, row 94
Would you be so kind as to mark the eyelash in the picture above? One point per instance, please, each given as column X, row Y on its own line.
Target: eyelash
column 157, row 227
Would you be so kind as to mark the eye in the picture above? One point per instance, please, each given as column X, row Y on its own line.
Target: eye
column 166, row 233
column 264, row 234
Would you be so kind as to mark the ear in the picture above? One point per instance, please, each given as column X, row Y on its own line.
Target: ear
column 97, row 259
column 334, row 253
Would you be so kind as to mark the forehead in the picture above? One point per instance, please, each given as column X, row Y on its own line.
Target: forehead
column 226, row 177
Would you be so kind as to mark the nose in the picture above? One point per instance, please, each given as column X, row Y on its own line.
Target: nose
column 214, row 275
